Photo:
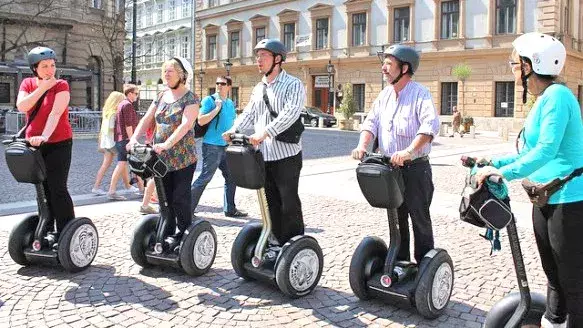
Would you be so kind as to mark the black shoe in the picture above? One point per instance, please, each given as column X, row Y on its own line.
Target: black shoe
column 236, row 214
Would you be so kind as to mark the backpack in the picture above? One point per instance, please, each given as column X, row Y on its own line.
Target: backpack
column 200, row 130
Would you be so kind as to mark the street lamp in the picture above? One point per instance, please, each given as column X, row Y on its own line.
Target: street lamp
column 200, row 76
column 330, row 70
column 228, row 66
column 382, row 58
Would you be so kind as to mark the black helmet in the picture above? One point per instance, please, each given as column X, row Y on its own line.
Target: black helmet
column 405, row 54
column 37, row 54
column 272, row 45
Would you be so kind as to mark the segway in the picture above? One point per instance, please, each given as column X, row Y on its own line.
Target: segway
column 295, row 267
column 374, row 270
column 520, row 309
column 152, row 243
column 33, row 239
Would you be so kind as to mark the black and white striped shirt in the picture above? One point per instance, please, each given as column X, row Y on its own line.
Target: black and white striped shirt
column 287, row 96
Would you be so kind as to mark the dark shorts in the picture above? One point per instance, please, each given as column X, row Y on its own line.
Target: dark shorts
column 122, row 154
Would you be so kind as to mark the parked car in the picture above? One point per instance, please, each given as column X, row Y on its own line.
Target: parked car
column 311, row 116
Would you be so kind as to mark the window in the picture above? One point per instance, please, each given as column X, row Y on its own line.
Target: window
column 148, row 52
column 450, row 13
column 159, row 12
column 505, row 16
column 186, row 8
column 212, row 91
column 171, row 47
column 129, row 18
column 213, row 3
column 139, row 19
column 118, row 5
column 234, row 45
column 322, row 33
column 566, row 17
column 504, row 99
column 160, row 51
column 211, row 47
column 149, row 15
column 171, row 10
column 401, row 24
column 96, row 4
column 358, row 92
column 5, row 94
column 448, row 97
column 235, row 96
column 358, row 29
column 128, row 57
column 289, row 36
column 185, row 46
column 259, row 34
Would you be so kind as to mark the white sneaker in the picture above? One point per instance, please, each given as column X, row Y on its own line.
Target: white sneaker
column 131, row 189
column 545, row 323
column 98, row 191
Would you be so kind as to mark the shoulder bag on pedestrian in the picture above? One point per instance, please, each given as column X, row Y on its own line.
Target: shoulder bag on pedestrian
column 25, row 162
column 539, row 193
column 294, row 132
column 200, row 130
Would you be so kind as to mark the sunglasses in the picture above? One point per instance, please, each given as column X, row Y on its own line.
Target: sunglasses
column 221, row 83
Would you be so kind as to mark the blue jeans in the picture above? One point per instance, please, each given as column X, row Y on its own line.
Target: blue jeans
column 213, row 158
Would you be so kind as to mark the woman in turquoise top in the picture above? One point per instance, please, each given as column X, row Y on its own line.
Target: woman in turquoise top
column 553, row 148
column 173, row 114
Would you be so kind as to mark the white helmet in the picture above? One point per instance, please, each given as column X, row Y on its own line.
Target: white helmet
column 187, row 68
column 546, row 52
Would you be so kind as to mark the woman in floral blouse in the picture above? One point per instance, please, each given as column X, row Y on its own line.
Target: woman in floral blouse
column 174, row 114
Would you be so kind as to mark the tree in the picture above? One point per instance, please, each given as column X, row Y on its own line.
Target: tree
column 348, row 106
column 462, row 72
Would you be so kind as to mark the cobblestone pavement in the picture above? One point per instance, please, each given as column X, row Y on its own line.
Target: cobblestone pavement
column 115, row 292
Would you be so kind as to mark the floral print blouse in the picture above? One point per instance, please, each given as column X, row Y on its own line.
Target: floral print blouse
column 168, row 118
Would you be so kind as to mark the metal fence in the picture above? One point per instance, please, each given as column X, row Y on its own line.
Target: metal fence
column 83, row 122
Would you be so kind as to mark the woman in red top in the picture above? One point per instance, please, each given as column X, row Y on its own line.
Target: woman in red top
column 50, row 129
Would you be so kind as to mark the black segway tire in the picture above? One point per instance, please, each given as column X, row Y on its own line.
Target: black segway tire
column 21, row 237
column 439, row 270
column 142, row 237
column 78, row 244
column 370, row 250
column 503, row 310
column 243, row 248
column 199, row 248
column 295, row 272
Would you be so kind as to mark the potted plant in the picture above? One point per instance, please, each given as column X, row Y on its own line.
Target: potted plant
column 347, row 108
column 467, row 122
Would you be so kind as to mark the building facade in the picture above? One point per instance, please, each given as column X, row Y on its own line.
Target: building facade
column 87, row 37
column 464, row 46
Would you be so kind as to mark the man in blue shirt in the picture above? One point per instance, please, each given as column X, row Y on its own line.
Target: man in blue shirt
column 219, row 112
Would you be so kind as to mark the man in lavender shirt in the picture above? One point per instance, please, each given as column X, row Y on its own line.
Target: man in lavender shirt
column 404, row 121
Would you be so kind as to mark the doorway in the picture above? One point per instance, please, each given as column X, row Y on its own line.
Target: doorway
column 321, row 93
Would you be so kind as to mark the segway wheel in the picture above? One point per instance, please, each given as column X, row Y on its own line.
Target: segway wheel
column 78, row 245
column 435, row 285
column 199, row 248
column 503, row 310
column 299, row 267
column 243, row 248
column 368, row 259
column 142, row 238
column 21, row 237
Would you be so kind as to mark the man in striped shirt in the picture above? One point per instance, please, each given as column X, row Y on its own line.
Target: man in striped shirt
column 404, row 121
column 283, row 161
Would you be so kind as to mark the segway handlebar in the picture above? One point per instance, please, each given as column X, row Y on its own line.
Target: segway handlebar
column 239, row 138
column 470, row 162
column 14, row 139
column 141, row 149
column 378, row 157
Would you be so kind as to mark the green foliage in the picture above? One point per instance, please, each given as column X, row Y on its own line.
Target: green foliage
column 462, row 71
column 348, row 106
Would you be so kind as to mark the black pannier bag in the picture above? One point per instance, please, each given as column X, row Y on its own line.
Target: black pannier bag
column 246, row 166
column 25, row 163
column 146, row 164
column 382, row 185
column 480, row 207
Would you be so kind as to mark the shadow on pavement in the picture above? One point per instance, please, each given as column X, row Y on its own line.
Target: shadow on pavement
column 240, row 222
column 98, row 285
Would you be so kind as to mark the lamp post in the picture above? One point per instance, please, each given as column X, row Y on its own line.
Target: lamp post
column 228, row 66
column 330, row 70
column 200, row 76
column 382, row 58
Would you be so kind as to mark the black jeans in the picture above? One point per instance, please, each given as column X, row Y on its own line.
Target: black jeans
column 57, row 157
column 558, row 231
column 281, row 188
column 418, row 195
column 177, row 189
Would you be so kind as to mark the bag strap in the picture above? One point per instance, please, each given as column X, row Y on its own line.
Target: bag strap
column 266, row 100
column 32, row 115
column 561, row 182
column 219, row 113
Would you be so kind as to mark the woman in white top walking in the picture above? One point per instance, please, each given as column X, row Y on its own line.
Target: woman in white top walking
column 106, row 142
